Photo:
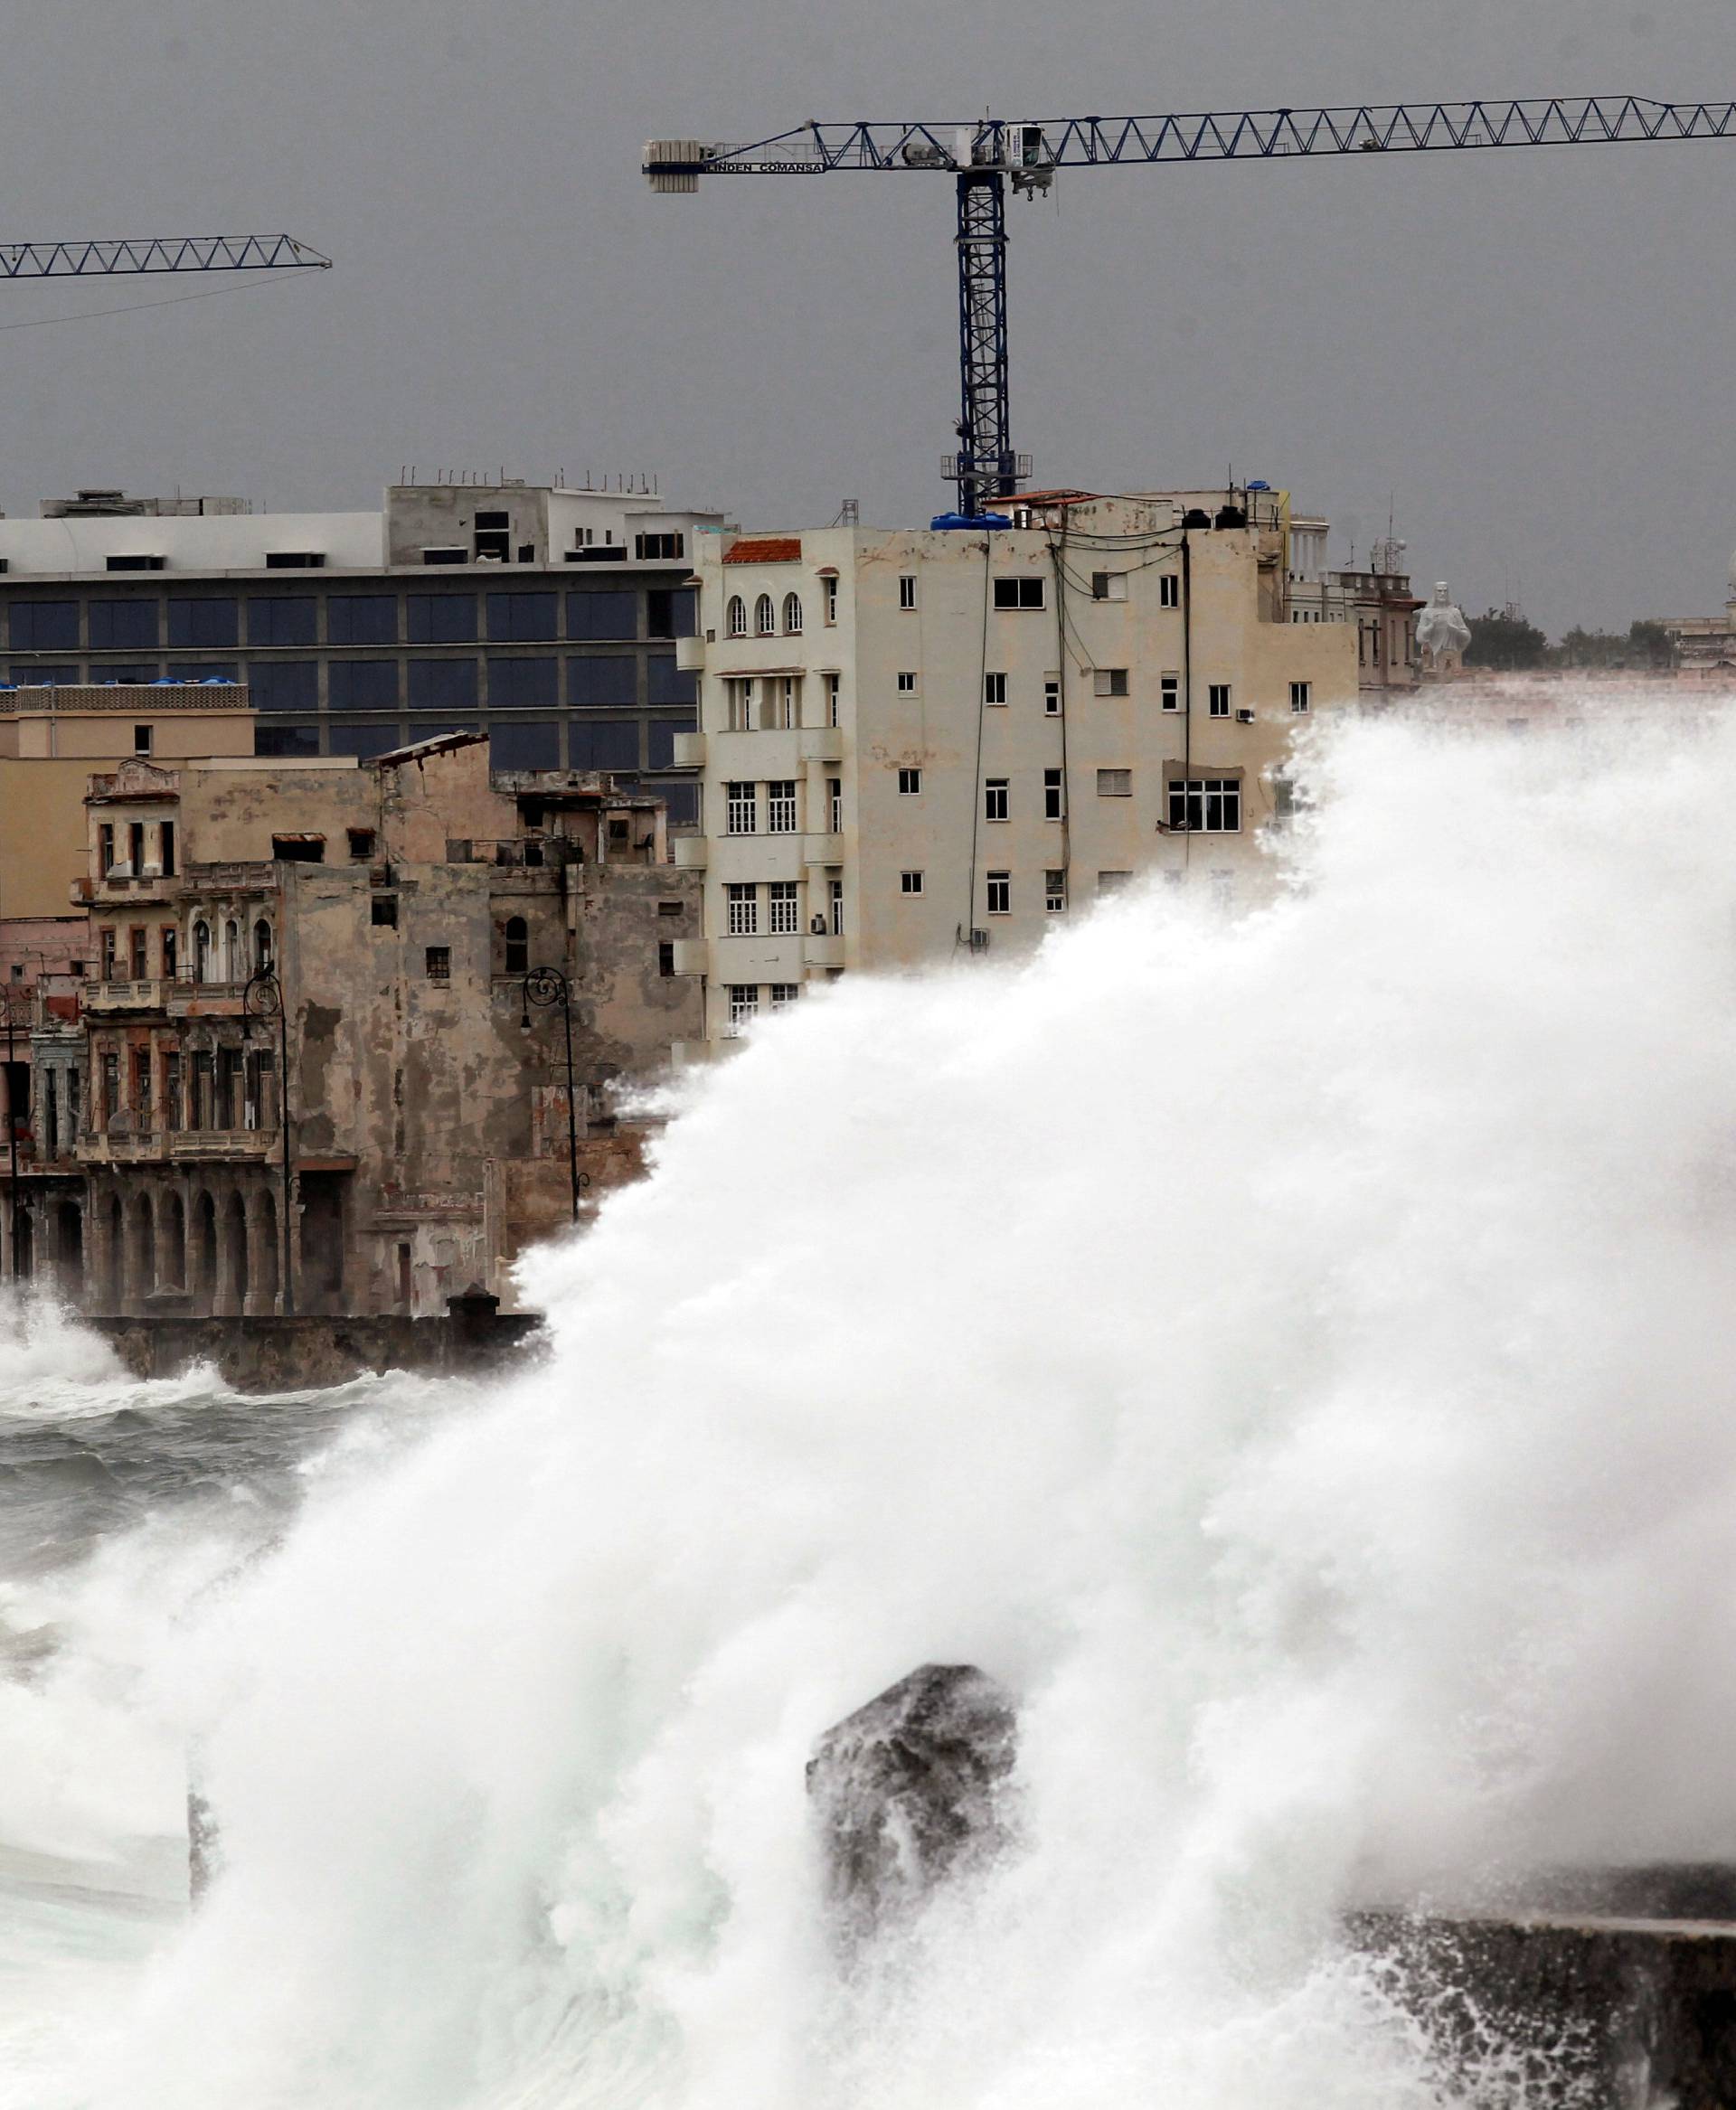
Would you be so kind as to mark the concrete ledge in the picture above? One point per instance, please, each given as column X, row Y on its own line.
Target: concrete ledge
column 285, row 1355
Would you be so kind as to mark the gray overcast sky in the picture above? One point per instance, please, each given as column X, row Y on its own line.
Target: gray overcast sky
column 1528, row 352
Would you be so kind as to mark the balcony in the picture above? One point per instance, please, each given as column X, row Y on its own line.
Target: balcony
column 692, row 955
column 127, row 1145
column 822, row 952
column 690, row 750
column 822, row 849
column 822, row 743
column 691, row 852
column 690, row 655
column 121, row 998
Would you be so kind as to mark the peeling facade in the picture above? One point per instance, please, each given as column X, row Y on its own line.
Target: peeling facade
column 396, row 909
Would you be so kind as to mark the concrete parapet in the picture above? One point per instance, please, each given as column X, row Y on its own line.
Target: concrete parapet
column 270, row 1354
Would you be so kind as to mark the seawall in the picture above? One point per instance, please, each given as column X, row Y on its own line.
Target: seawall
column 290, row 1354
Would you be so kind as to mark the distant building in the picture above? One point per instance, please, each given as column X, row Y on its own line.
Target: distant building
column 543, row 618
column 400, row 906
column 923, row 744
column 1704, row 646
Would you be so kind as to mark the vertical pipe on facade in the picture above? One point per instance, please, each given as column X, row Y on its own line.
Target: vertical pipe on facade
column 1187, row 689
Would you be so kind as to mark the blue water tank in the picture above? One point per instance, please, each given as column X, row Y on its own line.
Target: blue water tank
column 947, row 522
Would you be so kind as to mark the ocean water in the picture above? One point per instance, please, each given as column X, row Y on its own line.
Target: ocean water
column 1292, row 1353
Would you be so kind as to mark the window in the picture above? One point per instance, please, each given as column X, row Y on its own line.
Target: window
column 45, row 627
column 1301, row 697
column 669, row 908
column 837, row 891
column 1108, row 586
column 518, row 946
column 1052, row 809
column 738, row 691
column 907, row 684
column 517, row 619
column 603, row 743
column 743, row 910
column 443, row 685
column 666, row 958
column 994, row 798
column 781, row 806
column 782, row 909
column 832, row 683
column 439, row 618
column 1051, row 696
column 669, row 612
column 1019, row 593
column 494, row 535
column 994, row 688
column 105, row 849
column 1169, row 690
column 1110, row 681
column 907, row 590
column 1205, row 805
column 1169, row 590
column 523, row 684
column 1112, row 882
column 783, row 703
column 742, row 804
column 361, row 619
column 910, row 882
column 660, row 736
column 835, row 804
column 1115, row 783
column 658, row 549
column 602, row 615
column 528, row 743
column 665, row 683
column 765, row 619
column 166, row 849
column 141, row 740
column 437, row 961
column 1283, row 800
column 744, row 1004
column 793, row 614
column 783, row 993
column 203, row 622
column 117, row 626
column 172, row 1090
column 140, row 965
column 105, row 948
column 360, row 684
column 910, row 783
column 1218, row 699
column 736, row 619
column 298, row 849
column 613, row 681
column 293, row 685
column 1000, row 893
column 829, row 599
column 135, row 848
column 1054, row 893
column 261, row 947
column 383, row 913
column 283, row 619
column 295, row 559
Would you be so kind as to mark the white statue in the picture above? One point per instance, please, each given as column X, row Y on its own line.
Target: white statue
column 1442, row 633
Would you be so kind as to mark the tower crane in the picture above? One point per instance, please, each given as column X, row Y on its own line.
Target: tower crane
column 985, row 155
column 147, row 256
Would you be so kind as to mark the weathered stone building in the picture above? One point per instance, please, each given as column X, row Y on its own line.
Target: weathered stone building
column 393, row 911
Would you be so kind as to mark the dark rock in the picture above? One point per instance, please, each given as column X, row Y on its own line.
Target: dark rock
column 911, row 1790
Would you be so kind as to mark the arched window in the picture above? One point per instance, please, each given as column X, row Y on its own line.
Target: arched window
column 518, row 944
column 201, row 952
column 231, row 951
column 737, row 616
column 261, row 946
column 765, row 618
column 793, row 614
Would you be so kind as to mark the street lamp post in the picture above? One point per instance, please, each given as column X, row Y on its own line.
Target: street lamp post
column 263, row 999
column 546, row 987
column 12, row 1131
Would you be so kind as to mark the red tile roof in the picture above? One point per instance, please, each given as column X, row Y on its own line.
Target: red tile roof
column 765, row 550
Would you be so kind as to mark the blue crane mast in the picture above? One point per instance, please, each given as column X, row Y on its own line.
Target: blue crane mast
column 984, row 155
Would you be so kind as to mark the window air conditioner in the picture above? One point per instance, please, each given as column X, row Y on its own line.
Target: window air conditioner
column 1244, row 718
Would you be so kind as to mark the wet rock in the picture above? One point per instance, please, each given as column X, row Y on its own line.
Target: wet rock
column 912, row 1789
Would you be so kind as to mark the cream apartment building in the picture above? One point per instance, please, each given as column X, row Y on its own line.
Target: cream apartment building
column 922, row 745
